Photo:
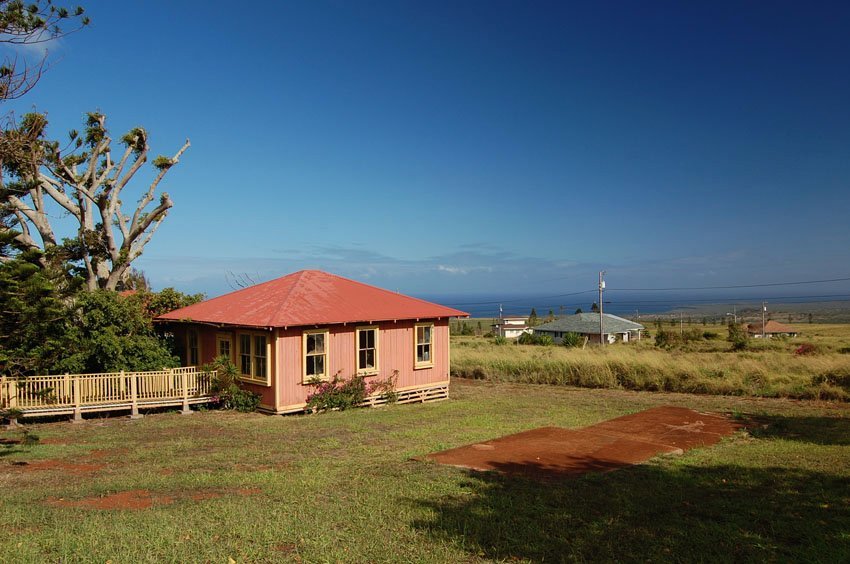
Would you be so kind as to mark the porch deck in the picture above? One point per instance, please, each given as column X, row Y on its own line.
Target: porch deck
column 75, row 394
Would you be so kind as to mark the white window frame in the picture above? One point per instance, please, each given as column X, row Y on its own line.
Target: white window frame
column 366, row 371
column 305, row 379
column 416, row 344
column 262, row 379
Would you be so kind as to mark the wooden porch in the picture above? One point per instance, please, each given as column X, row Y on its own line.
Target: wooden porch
column 75, row 394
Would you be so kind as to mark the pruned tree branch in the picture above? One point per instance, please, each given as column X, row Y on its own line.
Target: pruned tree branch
column 40, row 175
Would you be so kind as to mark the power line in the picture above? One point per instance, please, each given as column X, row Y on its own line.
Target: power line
column 729, row 287
column 496, row 302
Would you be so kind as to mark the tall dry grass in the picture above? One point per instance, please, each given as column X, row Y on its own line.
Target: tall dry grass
column 768, row 372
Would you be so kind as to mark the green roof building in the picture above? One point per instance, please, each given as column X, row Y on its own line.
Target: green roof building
column 614, row 328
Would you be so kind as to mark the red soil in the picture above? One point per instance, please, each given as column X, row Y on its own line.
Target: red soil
column 65, row 466
column 132, row 499
column 558, row 452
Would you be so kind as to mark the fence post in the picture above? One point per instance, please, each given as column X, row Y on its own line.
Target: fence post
column 13, row 393
column 134, row 395
column 78, row 412
column 184, row 379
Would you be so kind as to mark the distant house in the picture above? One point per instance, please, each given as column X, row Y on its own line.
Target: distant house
column 511, row 327
column 614, row 328
column 771, row 329
column 288, row 332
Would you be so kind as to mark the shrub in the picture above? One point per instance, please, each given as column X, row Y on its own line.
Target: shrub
column 806, row 349
column 337, row 393
column 545, row 340
column 710, row 335
column 844, row 350
column 738, row 337
column 527, row 339
column 225, row 388
column 385, row 388
column 499, row 340
column 665, row 339
column 571, row 339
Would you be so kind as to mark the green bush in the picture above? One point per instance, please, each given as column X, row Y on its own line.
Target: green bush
column 337, row 393
column 527, row 339
column 500, row 340
column 571, row 339
column 545, row 340
column 738, row 337
column 225, row 387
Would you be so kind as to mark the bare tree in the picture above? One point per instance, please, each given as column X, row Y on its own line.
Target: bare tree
column 87, row 183
column 31, row 23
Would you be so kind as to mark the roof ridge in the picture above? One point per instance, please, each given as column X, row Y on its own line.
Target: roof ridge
column 285, row 300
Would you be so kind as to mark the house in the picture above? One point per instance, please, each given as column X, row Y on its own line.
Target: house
column 771, row 329
column 309, row 326
column 511, row 327
column 614, row 328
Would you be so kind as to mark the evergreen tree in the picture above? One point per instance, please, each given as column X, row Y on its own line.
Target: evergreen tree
column 594, row 308
column 578, row 311
column 34, row 318
column 532, row 318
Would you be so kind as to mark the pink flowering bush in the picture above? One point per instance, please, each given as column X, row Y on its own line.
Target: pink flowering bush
column 341, row 394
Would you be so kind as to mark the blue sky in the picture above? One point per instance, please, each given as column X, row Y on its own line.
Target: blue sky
column 480, row 147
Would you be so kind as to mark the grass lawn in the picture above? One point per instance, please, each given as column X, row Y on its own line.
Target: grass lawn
column 343, row 487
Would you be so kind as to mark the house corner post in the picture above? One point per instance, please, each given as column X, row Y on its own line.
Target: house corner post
column 184, row 381
column 78, row 404
column 12, row 399
column 134, row 395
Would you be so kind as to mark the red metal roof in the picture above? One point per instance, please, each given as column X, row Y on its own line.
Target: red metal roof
column 309, row 297
column 770, row 327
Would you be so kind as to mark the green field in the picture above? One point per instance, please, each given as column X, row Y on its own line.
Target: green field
column 768, row 368
column 343, row 486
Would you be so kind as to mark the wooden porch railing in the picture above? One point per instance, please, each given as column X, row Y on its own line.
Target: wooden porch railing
column 81, row 393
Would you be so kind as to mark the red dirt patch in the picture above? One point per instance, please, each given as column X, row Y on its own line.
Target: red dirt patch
column 69, row 467
column 132, row 499
column 4, row 441
column 55, row 441
column 558, row 452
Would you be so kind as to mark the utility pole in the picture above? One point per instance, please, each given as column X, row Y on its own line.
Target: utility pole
column 501, row 323
column 763, row 314
column 601, row 327
column 734, row 314
column 681, row 324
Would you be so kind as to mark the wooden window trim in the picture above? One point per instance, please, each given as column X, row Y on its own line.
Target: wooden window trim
column 252, row 379
column 197, row 333
column 219, row 337
column 430, row 363
column 367, row 371
column 326, row 376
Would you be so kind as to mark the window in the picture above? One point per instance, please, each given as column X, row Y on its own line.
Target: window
column 253, row 357
column 245, row 354
column 193, row 348
column 260, row 357
column 315, row 355
column 367, row 350
column 224, row 346
column 424, row 345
